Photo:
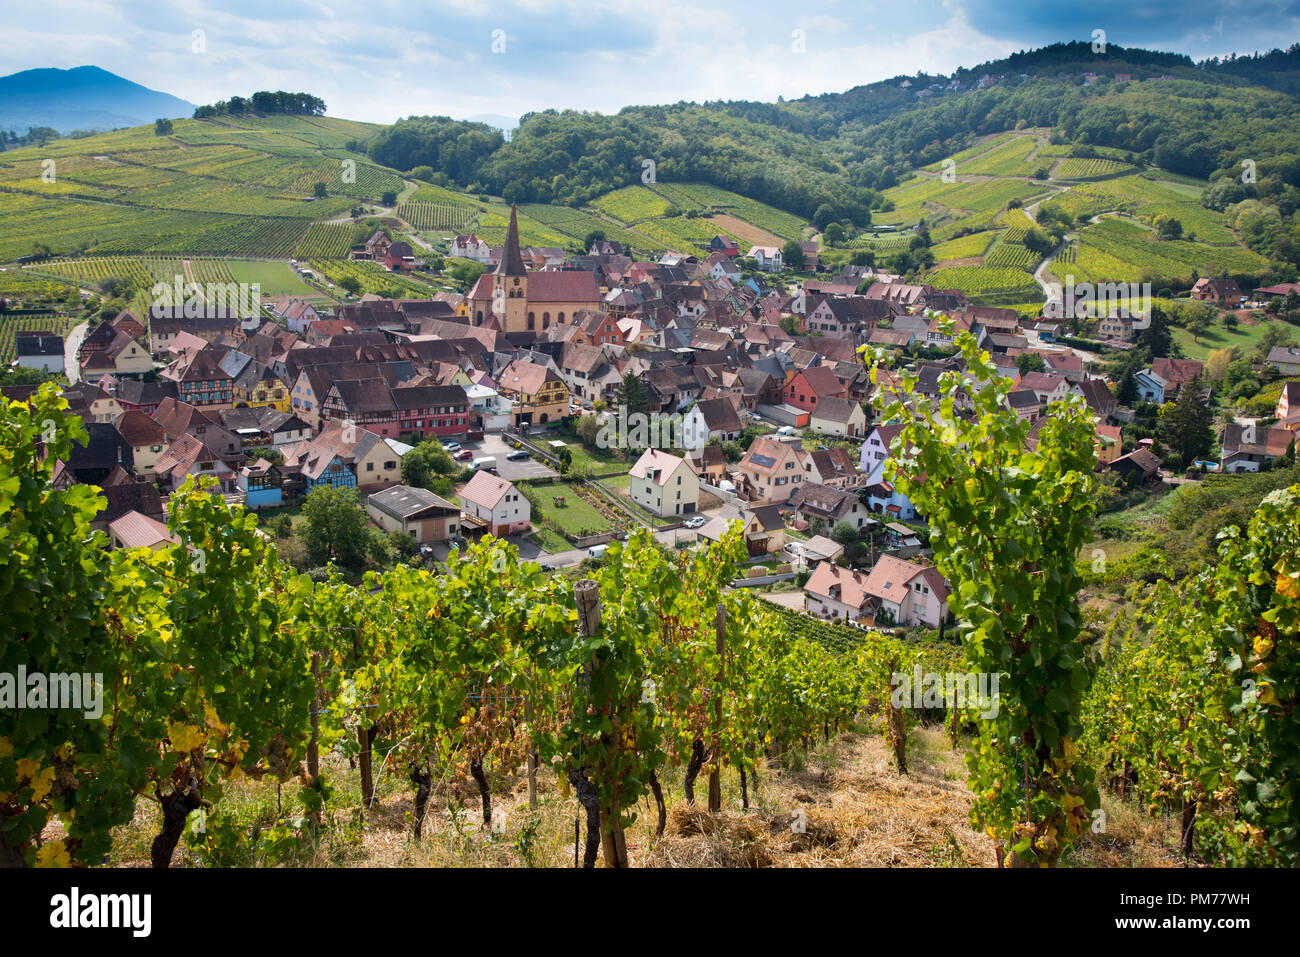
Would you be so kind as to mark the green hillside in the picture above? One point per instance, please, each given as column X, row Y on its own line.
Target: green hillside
column 215, row 186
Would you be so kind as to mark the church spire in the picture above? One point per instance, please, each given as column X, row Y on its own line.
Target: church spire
column 512, row 261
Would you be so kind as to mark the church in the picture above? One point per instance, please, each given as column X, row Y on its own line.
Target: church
column 515, row 300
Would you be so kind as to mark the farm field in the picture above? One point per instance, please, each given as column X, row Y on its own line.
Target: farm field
column 274, row 278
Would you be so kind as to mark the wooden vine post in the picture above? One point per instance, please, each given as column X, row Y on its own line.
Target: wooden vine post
column 313, row 746
column 532, row 756
column 715, row 775
column 897, row 726
column 604, row 829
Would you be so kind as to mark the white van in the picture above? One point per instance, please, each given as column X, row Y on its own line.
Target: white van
column 487, row 462
column 785, row 430
column 596, row 551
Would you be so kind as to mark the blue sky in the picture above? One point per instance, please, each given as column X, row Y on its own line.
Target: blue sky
column 381, row 59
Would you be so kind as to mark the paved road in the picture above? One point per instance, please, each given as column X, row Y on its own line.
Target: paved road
column 71, row 346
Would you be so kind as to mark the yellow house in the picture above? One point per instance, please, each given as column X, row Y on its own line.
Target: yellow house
column 148, row 440
column 259, row 387
column 540, row 396
column 1110, row 444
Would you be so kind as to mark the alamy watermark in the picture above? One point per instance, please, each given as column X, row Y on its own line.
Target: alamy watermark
column 192, row 300
column 653, row 430
column 953, row 689
column 1108, row 300
column 59, row 691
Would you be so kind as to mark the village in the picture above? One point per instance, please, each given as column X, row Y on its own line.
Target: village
column 765, row 385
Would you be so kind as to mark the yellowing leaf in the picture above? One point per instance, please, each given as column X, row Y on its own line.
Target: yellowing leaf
column 1288, row 586
column 42, row 783
column 212, row 721
column 185, row 737
column 53, row 854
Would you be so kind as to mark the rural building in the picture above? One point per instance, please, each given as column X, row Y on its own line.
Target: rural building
column 416, row 512
column 664, row 485
column 494, row 505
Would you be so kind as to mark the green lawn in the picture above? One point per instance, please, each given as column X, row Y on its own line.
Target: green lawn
column 576, row 517
column 549, row 540
column 599, row 460
column 275, row 278
column 1218, row 336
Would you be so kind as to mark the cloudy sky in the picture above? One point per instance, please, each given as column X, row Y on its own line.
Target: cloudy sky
column 381, row 59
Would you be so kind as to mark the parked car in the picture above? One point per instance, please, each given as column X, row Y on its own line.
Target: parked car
column 464, row 455
column 785, row 430
column 548, row 568
column 452, row 446
column 457, row 542
column 695, row 521
column 518, row 455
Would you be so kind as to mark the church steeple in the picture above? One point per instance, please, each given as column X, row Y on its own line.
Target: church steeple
column 512, row 261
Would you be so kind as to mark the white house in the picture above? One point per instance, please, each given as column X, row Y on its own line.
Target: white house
column 496, row 503
column 39, row 350
column 907, row 594
column 835, row 592
column 664, row 484
column 494, row 408
column 838, row 417
column 768, row 258
column 875, row 450
column 471, row 247
column 710, row 419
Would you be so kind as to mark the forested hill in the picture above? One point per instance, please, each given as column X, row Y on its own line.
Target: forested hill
column 842, row 149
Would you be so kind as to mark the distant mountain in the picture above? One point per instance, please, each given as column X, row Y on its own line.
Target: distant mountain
column 83, row 98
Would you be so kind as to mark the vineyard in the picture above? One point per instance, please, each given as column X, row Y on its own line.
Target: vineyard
column 633, row 204
column 1008, row 159
column 11, row 325
column 474, row 684
column 436, row 216
column 687, row 196
column 574, row 224
column 330, row 240
column 994, row 284
column 473, row 675
column 1089, row 168
column 20, row 286
column 215, row 187
column 976, row 244
column 373, row 277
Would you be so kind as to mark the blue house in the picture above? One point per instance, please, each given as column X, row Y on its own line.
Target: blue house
column 261, row 484
column 1151, row 387
column 883, row 498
